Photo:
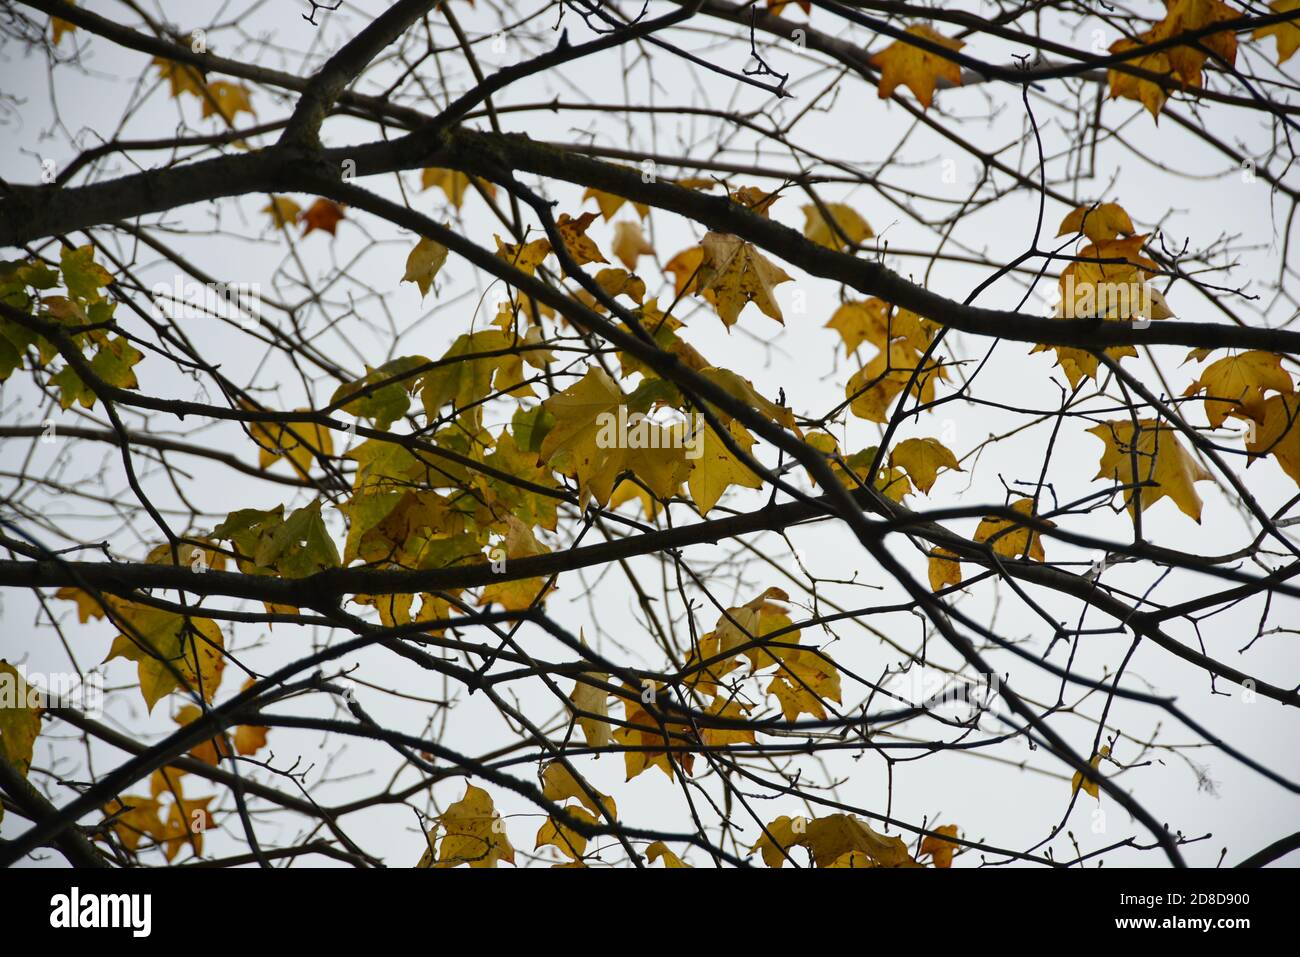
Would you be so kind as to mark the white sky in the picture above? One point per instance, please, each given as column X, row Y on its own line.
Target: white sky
column 1007, row 796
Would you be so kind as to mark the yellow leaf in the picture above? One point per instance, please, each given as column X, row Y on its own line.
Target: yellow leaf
column 1235, row 385
column 643, row 733
column 829, row 838
column 1102, row 222
column 576, row 241
column 180, row 78
column 1183, row 16
column 593, row 701
column 610, row 204
column 872, row 389
column 1160, row 458
column 805, row 680
column 940, row 851
column 737, row 274
column 922, row 459
column 20, row 718
column 298, row 443
column 423, row 263
column 1278, row 432
column 917, row 69
column 630, row 244
column 944, row 569
column 781, row 835
column 283, row 211
column 59, row 26
column 1287, row 34
column 227, row 99
column 453, row 184
column 1127, row 86
column 559, row 784
column 659, row 850
column 165, row 646
column 1012, row 544
column 475, row 833
column 848, row 226
column 717, row 469
column 1091, row 788
column 557, row 834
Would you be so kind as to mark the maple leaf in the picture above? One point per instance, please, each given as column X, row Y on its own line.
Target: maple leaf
column 557, row 834
column 20, row 722
column 1092, row 788
column 135, row 818
column 731, row 710
column 848, row 227
column 298, row 443
column 835, row 835
column 1127, row 86
column 805, row 681
column 780, row 835
column 922, row 459
column 757, row 201
column 610, row 204
column 630, row 245
column 187, row 821
column 1160, row 459
column 1008, row 539
column 423, row 263
column 1286, row 33
column 168, row 649
column 1183, row 16
column 464, row 373
column 717, row 468
column 940, row 851
column 82, row 276
column 283, row 210
column 88, row 606
column 266, row 542
column 1278, row 432
column 559, row 784
column 323, row 214
column 659, row 850
column 574, row 233
column 227, row 100
column 113, row 362
column 778, row 6
column 916, row 68
column 737, row 274
column 877, row 322
column 647, row 745
column 1235, row 385
column 453, row 184
column 521, row 593
column 59, row 26
column 475, row 833
column 852, row 470
column 592, row 700
column 1099, row 223
column 837, row 840
column 181, row 78
column 944, row 569
column 873, row 388
column 247, row 739
column 385, row 403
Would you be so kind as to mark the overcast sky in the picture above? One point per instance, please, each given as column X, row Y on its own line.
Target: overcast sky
column 1008, row 795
